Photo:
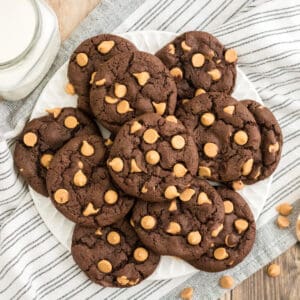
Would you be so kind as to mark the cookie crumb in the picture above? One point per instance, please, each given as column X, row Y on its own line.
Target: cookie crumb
column 226, row 282
column 187, row 293
column 284, row 209
column 283, row 222
column 273, row 270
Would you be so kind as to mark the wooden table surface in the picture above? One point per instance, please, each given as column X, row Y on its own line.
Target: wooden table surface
column 259, row 286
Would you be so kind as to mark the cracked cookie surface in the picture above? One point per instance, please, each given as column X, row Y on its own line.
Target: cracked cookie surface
column 199, row 63
column 42, row 137
column 183, row 227
column 226, row 134
column 235, row 240
column 113, row 255
column 129, row 85
column 152, row 157
column 80, row 186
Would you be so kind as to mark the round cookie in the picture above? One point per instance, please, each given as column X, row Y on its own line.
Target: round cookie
column 113, row 255
column 81, row 188
column 87, row 57
column 226, row 134
column 236, row 239
column 42, row 137
column 183, row 227
column 129, row 85
column 152, row 157
column 199, row 63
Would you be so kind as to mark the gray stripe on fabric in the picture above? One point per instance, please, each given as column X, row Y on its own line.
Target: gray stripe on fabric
column 23, row 190
column 160, row 284
column 294, row 164
column 291, row 137
column 6, row 174
column 237, row 11
column 11, row 185
column 95, row 293
column 80, row 288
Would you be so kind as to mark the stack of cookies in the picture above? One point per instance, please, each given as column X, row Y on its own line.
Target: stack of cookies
column 143, row 192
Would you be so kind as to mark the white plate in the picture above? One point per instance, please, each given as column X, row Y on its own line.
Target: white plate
column 53, row 95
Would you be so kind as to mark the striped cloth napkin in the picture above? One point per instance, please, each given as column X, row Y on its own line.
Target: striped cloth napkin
column 34, row 265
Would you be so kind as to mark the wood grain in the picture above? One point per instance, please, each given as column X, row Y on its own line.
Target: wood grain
column 259, row 286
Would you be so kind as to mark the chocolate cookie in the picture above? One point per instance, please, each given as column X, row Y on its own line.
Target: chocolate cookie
column 226, row 134
column 42, row 137
column 183, row 227
column 113, row 255
column 81, row 189
column 199, row 63
column 152, row 157
column 235, row 240
column 129, row 85
column 88, row 56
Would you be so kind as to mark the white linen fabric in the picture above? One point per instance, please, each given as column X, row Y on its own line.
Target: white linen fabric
column 33, row 265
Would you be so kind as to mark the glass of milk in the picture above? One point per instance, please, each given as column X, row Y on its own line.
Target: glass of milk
column 30, row 41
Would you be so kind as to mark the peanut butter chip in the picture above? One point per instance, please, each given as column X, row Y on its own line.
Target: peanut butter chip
column 172, row 119
column 187, row 293
column 120, row 90
column 134, row 168
column 160, row 108
column 80, row 179
column 216, row 231
column 111, row 197
column 176, row 72
column 148, row 222
column 229, row 109
column 194, row 238
column 69, row 89
column 82, row 59
column 100, row 82
column 71, row 122
column 90, row 210
column 173, row 228
column 87, row 149
column 204, row 171
column 241, row 137
column 123, row 107
column 247, row 167
column 228, row 207
column 142, row 77
column 133, row 281
column 215, row 74
column 116, row 164
column 105, row 46
column 98, row 231
column 210, row 149
column 136, row 126
column 203, row 199
column 104, row 266
column 113, row 238
column 207, row 119
column 30, row 139
column 187, row 195
column 46, row 160
column 274, row 147
column 61, row 196
column 199, row 92
column 173, row 206
column 198, row 60
column 231, row 56
column 140, row 254
column 226, row 282
column 54, row 111
column 171, row 192
column 108, row 142
column 283, row 222
column 284, row 209
column 220, row 253
column 241, row 225
column 179, row 170
column 93, row 77
column 131, row 222
column 273, row 270
column 144, row 190
column 110, row 100
column 150, row 136
column 152, row 157
column 238, row 185
column 122, row 280
column 177, row 142
column 184, row 101
column 185, row 46
column 171, row 49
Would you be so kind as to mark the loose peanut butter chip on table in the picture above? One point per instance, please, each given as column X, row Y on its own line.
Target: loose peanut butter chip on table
column 116, row 164
column 185, row 46
column 228, row 207
column 82, row 59
column 113, row 238
column 148, row 222
column 176, row 72
column 111, row 100
column 160, row 108
column 152, row 157
column 210, row 150
column 90, row 210
column 105, row 46
column 241, row 225
column 54, row 111
column 220, row 253
column 247, row 167
column 136, row 126
column 283, row 222
column 199, row 92
column 204, row 171
column 240, row 137
column 150, row 136
column 187, row 293
column 198, row 60
column 46, row 160
column 123, row 107
column 229, row 109
column 100, row 82
column 194, row 238
column 71, row 122
column 284, row 209
column 231, row 56
column 187, row 195
column 142, row 77
column 120, row 90
column 69, row 89
column 207, row 119
column 80, row 179
column 111, row 197
column 30, row 139
column 87, row 149
column 173, row 228
column 177, row 142
column 179, row 170
column 140, row 254
column 104, row 266
column 171, row 192
column 215, row 74
column 226, row 282
column 203, row 199
column 273, row 270
column 61, row 196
